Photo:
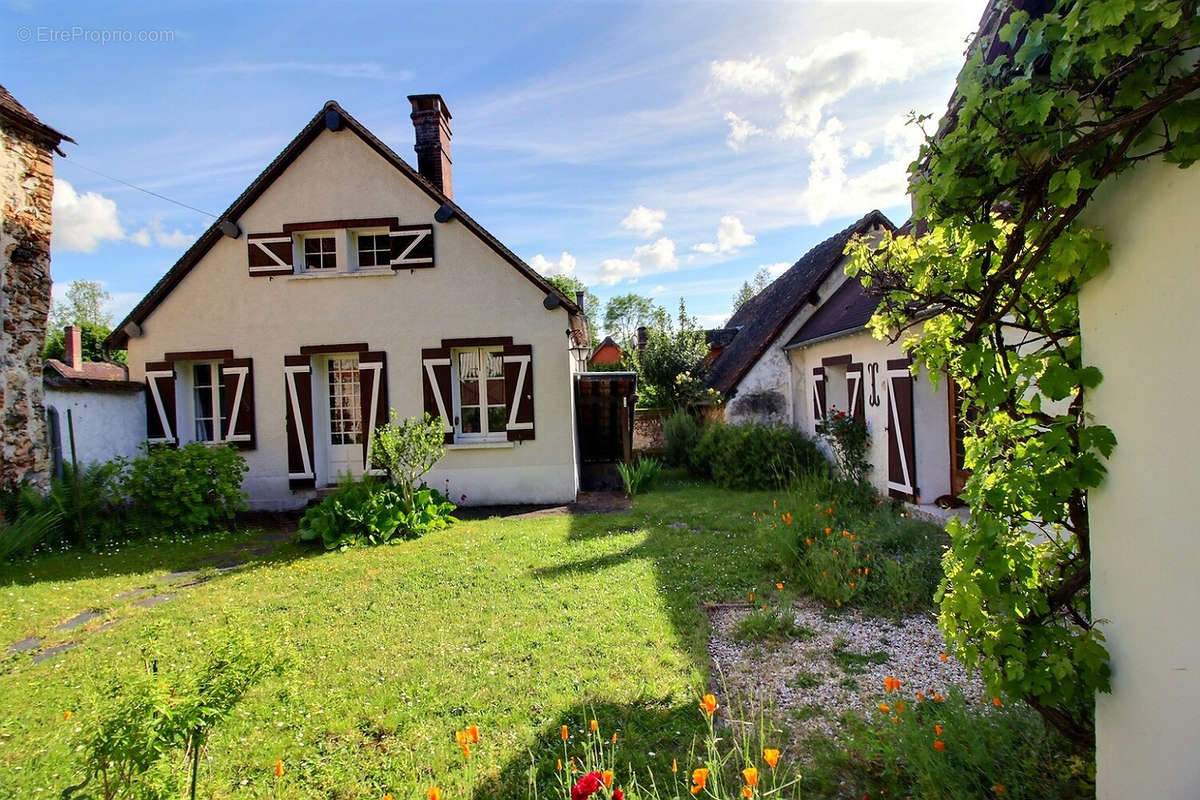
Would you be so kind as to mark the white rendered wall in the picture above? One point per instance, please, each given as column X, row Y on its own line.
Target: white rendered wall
column 107, row 424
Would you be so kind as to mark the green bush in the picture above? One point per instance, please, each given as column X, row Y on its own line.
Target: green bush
column 681, row 433
column 639, row 477
column 408, row 449
column 28, row 520
column 755, row 456
column 985, row 751
column 189, row 489
column 850, row 442
column 372, row 511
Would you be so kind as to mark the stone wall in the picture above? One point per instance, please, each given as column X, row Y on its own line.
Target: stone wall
column 26, row 187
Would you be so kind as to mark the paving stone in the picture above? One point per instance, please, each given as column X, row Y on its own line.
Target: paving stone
column 51, row 652
column 153, row 600
column 134, row 593
column 24, row 646
column 172, row 577
column 82, row 618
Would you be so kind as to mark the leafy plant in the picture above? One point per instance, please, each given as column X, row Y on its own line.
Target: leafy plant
column 671, row 366
column 373, row 511
column 849, row 440
column 27, row 520
column 189, row 489
column 155, row 723
column 408, row 449
column 1080, row 93
column 682, row 433
column 639, row 477
column 771, row 623
column 754, row 456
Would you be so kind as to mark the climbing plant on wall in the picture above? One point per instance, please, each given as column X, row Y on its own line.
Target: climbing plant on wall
column 1055, row 100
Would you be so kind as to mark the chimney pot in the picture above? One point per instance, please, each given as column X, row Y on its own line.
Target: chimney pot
column 73, row 345
column 579, row 295
column 642, row 335
column 431, row 123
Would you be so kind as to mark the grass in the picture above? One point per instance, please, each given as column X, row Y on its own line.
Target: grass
column 519, row 626
column 852, row 662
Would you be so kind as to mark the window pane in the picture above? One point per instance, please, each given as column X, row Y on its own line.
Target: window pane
column 470, row 419
column 495, row 365
column 345, row 413
column 204, row 430
column 495, row 393
column 497, row 419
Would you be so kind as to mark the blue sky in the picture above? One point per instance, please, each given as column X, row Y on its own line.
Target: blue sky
column 669, row 148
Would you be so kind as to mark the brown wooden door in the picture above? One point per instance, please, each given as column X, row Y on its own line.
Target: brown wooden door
column 902, row 473
column 957, row 414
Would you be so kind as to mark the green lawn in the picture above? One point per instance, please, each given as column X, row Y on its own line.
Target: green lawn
column 517, row 625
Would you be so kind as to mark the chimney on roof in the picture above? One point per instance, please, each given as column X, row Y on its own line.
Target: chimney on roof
column 642, row 336
column 73, row 347
column 431, row 119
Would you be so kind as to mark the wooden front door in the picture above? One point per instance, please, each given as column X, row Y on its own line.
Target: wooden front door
column 902, row 473
column 343, row 406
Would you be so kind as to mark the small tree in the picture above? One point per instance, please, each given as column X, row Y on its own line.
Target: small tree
column 671, row 367
column 408, row 449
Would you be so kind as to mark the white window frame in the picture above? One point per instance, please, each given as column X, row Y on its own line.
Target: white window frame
column 387, row 252
column 185, row 397
column 339, row 254
column 485, row 435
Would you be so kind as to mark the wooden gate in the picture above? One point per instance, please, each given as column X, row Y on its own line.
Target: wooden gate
column 902, row 463
column 604, row 409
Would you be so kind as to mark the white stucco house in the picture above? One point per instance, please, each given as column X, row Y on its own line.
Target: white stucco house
column 340, row 284
column 93, row 402
column 799, row 350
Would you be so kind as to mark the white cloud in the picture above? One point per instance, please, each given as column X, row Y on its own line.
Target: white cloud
column 836, row 67
column 155, row 233
column 752, row 77
column 731, row 235
column 565, row 265
column 615, row 270
column 657, row 290
column 740, row 130
column 660, row 256
column 776, row 269
column 861, row 149
column 644, row 221
column 83, row 221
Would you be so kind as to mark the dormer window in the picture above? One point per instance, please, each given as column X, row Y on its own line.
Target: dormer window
column 374, row 249
column 320, row 252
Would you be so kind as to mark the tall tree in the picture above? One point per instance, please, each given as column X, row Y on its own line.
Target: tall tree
column 84, row 303
column 671, row 367
column 760, row 281
column 625, row 313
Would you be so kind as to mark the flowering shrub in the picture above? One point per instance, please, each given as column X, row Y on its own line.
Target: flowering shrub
column 849, row 440
column 917, row 742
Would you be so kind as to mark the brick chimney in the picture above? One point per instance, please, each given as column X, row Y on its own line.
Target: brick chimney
column 73, row 346
column 642, row 336
column 431, row 119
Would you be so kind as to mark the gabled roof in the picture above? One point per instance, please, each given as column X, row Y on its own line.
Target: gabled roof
column 104, row 375
column 19, row 116
column 847, row 309
column 608, row 342
column 762, row 318
column 118, row 339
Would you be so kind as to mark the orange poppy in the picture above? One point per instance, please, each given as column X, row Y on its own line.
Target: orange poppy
column 434, row 793
column 937, row 698
column 751, row 776
column 999, row 789
column 808, row 542
column 614, row 741
column 920, row 697
column 708, row 704
column 937, row 729
column 787, row 518
column 699, row 779
column 564, row 733
column 747, row 792
column 388, row 796
column 944, row 658
column 607, row 777
column 594, row 725
column 473, row 733
column 939, row 745
column 997, row 702
column 279, row 768
column 771, row 757
column 828, row 531
column 779, row 586
column 901, row 706
column 884, row 707
column 66, row 715
column 558, row 767
column 674, row 765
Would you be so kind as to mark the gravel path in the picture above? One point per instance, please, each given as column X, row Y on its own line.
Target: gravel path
column 839, row 668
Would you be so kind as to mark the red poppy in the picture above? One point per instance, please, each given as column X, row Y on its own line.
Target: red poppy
column 618, row 795
column 588, row 785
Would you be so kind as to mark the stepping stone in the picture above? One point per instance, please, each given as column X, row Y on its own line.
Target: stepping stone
column 24, row 646
column 133, row 593
column 106, row 625
column 82, row 618
column 153, row 600
column 172, row 577
column 51, row 652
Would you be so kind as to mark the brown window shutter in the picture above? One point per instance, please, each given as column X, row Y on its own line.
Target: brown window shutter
column 412, row 246
column 518, row 391
column 373, row 398
column 902, row 462
column 297, row 378
column 854, row 388
column 436, row 387
column 237, row 377
column 269, row 254
column 818, row 394
column 160, row 402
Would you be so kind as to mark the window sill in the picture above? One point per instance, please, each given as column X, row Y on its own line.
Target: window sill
column 363, row 273
column 481, row 445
